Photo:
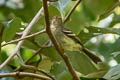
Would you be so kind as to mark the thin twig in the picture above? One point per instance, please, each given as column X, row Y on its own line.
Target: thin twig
column 27, row 62
column 26, row 31
column 26, row 37
column 37, row 64
column 71, row 11
column 39, row 70
column 60, row 50
column 43, row 72
column 36, row 69
column 36, row 53
column 24, row 74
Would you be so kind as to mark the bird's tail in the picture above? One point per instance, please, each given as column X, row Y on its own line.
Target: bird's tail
column 91, row 55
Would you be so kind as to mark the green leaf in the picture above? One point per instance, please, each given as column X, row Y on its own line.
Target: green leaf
column 90, row 32
column 26, row 54
column 115, row 20
column 100, row 6
column 7, row 51
column 81, row 62
column 103, row 66
column 98, row 74
column 60, row 5
column 11, row 28
column 78, row 20
column 60, row 72
column 3, row 56
column 84, row 78
column 113, row 73
column 51, row 53
column 30, row 45
column 115, row 54
column 41, row 39
column 110, row 9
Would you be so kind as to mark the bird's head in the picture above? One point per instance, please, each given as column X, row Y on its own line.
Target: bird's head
column 57, row 21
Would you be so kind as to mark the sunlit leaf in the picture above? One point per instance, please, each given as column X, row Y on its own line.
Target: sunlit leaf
column 60, row 5
column 90, row 32
column 113, row 73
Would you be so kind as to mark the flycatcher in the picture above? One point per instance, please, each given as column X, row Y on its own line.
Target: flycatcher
column 69, row 41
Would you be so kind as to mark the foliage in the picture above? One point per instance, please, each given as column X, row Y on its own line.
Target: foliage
column 95, row 22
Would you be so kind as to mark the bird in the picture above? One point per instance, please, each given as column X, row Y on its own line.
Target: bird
column 67, row 40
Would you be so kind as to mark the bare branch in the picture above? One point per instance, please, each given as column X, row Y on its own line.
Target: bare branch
column 26, row 31
column 36, row 69
column 60, row 50
column 24, row 74
column 26, row 37
column 72, row 10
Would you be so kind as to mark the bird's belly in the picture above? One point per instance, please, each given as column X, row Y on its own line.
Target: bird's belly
column 67, row 43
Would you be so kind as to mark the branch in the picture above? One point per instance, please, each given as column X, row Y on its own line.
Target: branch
column 26, row 37
column 1, row 33
column 39, row 70
column 26, row 62
column 35, row 54
column 24, row 74
column 60, row 50
column 26, row 31
column 71, row 11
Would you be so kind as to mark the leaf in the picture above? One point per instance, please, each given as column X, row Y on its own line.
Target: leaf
column 51, row 53
column 100, row 6
column 81, row 62
column 78, row 20
column 45, row 65
column 30, row 8
column 30, row 45
column 98, row 74
column 11, row 28
column 103, row 66
column 7, row 51
column 110, row 9
column 26, row 54
column 84, row 78
column 113, row 73
column 90, row 32
column 115, row 54
column 60, row 72
column 115, row 20
column 41, row 39
column 60, row 5
column 3, row 56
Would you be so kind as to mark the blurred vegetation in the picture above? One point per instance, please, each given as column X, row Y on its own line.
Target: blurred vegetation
column 95, row 22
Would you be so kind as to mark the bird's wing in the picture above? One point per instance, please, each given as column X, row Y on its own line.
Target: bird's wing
column 89, row 53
